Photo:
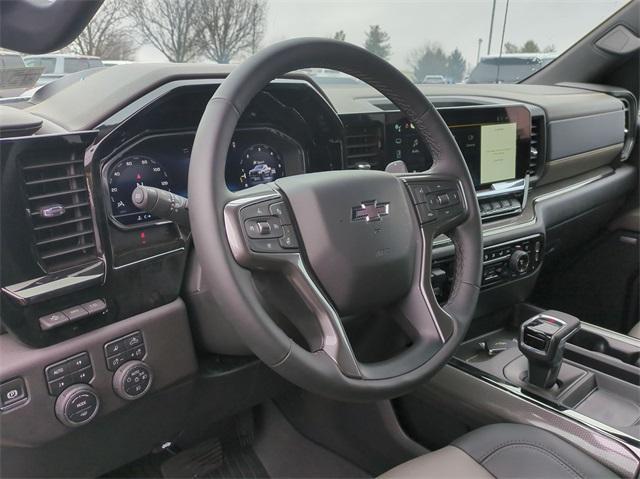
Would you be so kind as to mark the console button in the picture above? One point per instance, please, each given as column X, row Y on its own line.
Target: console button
column 96, row 306
column 52, row 320
column 58, row 370
column 133, row 340
column 12, row 391
column 79, row 362
column 114, row 362
column 114, row 347
column 59, row 385
column 75, row 313
column 80, row 402
column 83, row 376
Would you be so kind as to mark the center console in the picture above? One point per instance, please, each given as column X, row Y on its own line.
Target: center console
column 549, row 356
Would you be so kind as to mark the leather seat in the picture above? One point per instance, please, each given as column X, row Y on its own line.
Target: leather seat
column 501, row 451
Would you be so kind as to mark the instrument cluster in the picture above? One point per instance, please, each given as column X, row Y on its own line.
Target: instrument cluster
column 256, row 156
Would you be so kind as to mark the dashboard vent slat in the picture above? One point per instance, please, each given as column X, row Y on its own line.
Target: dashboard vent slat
column 59, row 209
column 536, row 154
column 363, row 144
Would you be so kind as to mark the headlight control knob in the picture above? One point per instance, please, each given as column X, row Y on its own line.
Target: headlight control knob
column 77, row 405
column 519, row 261
column 132, row 380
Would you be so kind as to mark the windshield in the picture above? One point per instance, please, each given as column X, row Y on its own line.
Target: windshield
column 431, row 41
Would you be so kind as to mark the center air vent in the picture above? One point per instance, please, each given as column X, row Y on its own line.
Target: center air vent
column 59, row 209
column 363, row 144
column 537, row 144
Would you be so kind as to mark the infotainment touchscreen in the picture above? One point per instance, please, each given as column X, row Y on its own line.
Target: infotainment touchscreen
column 495, row 141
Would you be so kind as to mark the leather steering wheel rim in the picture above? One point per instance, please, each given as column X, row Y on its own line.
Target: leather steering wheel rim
column 232, row 284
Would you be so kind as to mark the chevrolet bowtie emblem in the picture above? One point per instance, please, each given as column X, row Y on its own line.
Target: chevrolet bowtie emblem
column 369, row 211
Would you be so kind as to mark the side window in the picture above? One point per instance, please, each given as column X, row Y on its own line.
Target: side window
column 11, row 61
column 48, row 63
column 72, row 65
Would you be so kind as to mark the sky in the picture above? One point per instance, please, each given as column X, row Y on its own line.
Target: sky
column 452, row 24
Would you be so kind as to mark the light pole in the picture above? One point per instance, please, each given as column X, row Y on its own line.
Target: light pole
column 493, row 14
column 479, row 47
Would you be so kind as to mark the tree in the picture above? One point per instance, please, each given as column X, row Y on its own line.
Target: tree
column 377, row 41
column 456, row 66
column 529, row 46
column 231, row 27
column 108, row 35
column 340, row 35
column 428, row 60
column 172, row 26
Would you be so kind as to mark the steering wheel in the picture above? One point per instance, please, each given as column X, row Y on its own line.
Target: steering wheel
column 348, row 242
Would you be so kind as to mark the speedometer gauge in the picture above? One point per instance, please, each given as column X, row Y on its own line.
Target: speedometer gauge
column 124, row 177
column 259, row 164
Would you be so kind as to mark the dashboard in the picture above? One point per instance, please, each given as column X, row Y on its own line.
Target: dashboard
column 87, row 274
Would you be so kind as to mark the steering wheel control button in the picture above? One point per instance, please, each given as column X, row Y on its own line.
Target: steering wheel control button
column 257, row 210
column 77, row 405
column 121, row 350
column 280, row 211
column 265, row 245
column 263, row 228
column 132, row 380
column 52, row 320
column 425, row 214
column 12, row 392
column 289, row 240
column 74, row 370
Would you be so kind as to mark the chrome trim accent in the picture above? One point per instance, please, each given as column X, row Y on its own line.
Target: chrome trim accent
column 56, row 284
column 148, row 258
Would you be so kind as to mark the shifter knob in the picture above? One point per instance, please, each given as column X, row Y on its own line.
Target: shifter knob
column 542, row 340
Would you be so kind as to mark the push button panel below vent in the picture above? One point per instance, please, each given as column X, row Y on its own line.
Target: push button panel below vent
column 58, row 208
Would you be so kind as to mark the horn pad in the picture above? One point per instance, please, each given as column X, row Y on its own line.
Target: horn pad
column 358, row 235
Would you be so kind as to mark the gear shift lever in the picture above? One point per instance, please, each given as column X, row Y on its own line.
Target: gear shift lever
column 542, row 340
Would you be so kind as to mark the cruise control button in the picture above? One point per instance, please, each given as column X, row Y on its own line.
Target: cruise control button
column 52, row 320
column 280, row 210
column 12, row 391
column 288, row 240
column 76, row 313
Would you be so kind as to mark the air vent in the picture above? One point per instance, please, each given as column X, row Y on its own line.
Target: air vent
column 59, row 209
column 537, row 144
column 363, row 144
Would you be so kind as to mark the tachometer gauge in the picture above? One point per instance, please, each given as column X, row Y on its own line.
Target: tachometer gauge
column 259, row 164
column 124, row 177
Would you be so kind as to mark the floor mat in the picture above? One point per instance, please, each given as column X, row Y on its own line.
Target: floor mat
column 215, row 459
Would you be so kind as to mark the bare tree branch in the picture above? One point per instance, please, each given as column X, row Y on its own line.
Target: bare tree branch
column 172, row 26
column 108, row 35
column 231, row 27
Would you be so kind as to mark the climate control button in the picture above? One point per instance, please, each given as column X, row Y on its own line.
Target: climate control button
column 132, row 380
column 77, row 405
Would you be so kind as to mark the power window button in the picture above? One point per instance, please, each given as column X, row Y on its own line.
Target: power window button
column 11, row 392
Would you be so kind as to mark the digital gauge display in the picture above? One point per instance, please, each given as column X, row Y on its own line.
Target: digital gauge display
column 259, row 164
column 124, row 177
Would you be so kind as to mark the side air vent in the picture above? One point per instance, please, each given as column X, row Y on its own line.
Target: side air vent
column 363, row 145
column 537, row 144
column 59, row 210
